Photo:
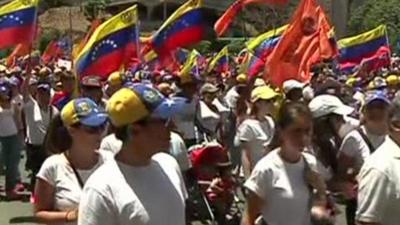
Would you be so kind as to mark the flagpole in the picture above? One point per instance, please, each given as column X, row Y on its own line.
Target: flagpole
column 137, row 37
column 71, row 36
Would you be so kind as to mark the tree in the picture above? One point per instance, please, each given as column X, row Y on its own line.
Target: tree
column 94, row 7
column 374, row 13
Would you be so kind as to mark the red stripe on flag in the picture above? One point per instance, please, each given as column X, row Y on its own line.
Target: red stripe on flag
column 16, row 35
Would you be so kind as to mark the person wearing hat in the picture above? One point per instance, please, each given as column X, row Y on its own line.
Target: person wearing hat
column 393, row 85
column 185, row 119
column 38, row 112
column 91, row 87
column 61, row 98
column 360, row 143
column 379, row 178
column 208, row 117
column 10, row 142
column 293, row 90
column 330, row 130
column 73, row 138
column 115, row 82
column 147, row 186
column 257, row 132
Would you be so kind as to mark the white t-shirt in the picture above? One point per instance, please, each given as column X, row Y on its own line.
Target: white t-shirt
column 354, row 146
column 150, row 195
column 37, row 121
column 179, row 151
column 208, row 118
column 258, row 135
column 379, row 186
column 57, row 172
column 8, row 126
column 232, row 97
column 184, row 121
column 110, row 144
column 283, row 187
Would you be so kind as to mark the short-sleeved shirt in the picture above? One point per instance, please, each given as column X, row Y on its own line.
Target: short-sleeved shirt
column 57, row 172
column 258, row 135
column 283, row 187
column 148, row 195
column 379, row 186
column 354, row 146
column 37, row 121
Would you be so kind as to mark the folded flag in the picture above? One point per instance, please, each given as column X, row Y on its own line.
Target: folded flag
column 18, row 20
column 111, row 46
column 185, row 27
column 372, row 47
column 220, row 62
column 223, row 23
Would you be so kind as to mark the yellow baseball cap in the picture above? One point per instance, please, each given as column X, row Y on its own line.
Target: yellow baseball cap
column 139, row 101
column 241, row 78
column 83, row 111
column 115, row 79
column 263, row 93
column 392, row 80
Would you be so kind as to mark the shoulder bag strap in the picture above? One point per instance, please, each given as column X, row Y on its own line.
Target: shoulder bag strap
column 78, row 177
column 366, row 140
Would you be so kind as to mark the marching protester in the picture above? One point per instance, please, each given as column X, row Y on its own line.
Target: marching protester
column 38, row 112
column 257, row 132
column 278, row 186
column 378, row 196
column 147, row 186
column 10, row 141
column 91, row 87
column 73, row 137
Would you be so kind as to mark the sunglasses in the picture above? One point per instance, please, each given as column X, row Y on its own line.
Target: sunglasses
column 93, row 130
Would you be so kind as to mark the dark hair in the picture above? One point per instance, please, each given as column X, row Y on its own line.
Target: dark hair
column 290, row 111
column 57, row 138
column 326, row 150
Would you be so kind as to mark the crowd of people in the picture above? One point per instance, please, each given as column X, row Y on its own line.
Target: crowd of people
column 121, row 150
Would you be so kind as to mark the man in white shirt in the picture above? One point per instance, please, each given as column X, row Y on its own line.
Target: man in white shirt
column 142, row 186
column 379, row 179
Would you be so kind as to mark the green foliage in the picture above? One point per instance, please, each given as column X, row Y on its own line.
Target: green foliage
column 374, row 13
column 46, row 37
column 93, row 7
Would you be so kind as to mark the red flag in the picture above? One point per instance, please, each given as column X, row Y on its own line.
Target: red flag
column 52, row 52
column 226, row 19
column 20, row 50
column 306, row 40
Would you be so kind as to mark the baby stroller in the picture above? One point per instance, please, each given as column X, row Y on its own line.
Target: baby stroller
column 212, row 187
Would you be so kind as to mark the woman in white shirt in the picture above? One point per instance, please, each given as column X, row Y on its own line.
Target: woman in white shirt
column 74, row 136
column 257, row 132
column 9, row 140
column 278, row 187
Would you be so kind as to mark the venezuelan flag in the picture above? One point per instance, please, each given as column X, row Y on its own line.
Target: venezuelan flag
column 185, row 27
column 111, row 45
column 369, row 47
column 190, row 64
column 18, row 21
column 220, row 62
column 263, row 45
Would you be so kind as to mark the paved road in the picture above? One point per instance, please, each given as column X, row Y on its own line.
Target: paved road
column 20, row 212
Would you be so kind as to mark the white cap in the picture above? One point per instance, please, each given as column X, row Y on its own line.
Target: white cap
column 292, row 84
column 323, row 105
